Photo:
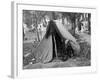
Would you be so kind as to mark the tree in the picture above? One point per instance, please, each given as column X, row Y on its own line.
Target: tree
column 37, row 17
column 89, row 18
column 72, row 17
column 27, row 18
column 33, row 17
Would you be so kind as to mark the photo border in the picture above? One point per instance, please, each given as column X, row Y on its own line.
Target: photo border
column 17, row 70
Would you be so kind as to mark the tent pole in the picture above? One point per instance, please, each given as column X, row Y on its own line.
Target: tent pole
column 55, row 48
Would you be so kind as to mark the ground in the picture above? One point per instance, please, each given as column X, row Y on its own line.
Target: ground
column 55, row 64
column 82, row 60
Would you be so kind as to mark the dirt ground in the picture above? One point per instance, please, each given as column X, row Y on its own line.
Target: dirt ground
column 55, row 64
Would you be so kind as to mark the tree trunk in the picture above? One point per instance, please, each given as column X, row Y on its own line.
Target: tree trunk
column 74, row 26
column 37, row 32
column 89, row 23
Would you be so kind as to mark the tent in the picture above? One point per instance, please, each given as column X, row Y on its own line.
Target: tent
column 53, row 43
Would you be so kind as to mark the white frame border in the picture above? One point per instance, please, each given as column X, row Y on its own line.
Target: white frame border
column 17, row 70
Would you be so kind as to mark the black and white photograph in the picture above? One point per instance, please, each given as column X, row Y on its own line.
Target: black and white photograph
column 55, row 39
column 52, row 40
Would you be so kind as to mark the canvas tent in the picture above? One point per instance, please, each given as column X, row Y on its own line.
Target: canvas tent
column 53, row 42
